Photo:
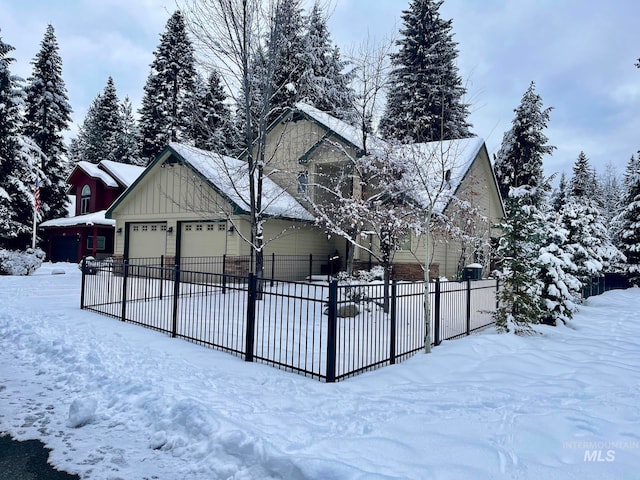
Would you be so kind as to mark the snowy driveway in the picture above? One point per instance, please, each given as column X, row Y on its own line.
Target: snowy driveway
column 116, row 401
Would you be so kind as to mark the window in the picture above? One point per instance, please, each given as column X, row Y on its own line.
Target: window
column 187, row 228
column 303, row 182
column 145, row 228
column 163, row 228
column 198, row 227
column 136, row 228
column 85, row 199
column 99, row 245
column 222, row 227
column 154, row 228
column 209, row 227
column 404, row 242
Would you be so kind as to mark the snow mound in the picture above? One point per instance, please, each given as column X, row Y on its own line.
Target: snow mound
column 82, row 412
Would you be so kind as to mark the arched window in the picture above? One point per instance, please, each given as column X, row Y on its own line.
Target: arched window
column 85, row 199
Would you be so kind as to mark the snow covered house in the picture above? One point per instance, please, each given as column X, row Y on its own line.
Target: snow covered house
column 192, row 203
column 92, row 189
column 307, row 146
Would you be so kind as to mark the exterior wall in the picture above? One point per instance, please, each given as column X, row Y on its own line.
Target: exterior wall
column 101, row 196
column 169, row 194
column 293, row 148
column 480, row 190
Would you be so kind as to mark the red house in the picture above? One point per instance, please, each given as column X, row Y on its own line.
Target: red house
column 93, row 188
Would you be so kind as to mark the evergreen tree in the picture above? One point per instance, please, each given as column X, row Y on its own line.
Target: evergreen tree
column 168, row 94
column 611, row 196
column 582, row 182
column 520, row 302
column 425, row 100
column 47, row 115
column 324, row 84
column 560, row 288
column 20, row 160
column 213, row 127
column 530, row 263
column 559, row 197
column 587, row 239
column 629, row 220
column 519, row 160
column 287, row 43
column 128, row 138
column 99, row 135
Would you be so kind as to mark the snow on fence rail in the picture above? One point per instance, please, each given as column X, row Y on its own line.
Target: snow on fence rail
column 325, row 330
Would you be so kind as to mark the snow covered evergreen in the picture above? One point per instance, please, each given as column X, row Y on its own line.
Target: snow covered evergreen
column 47, row 115
column 325, row 81
column 100, row 135
column 629, row 220
column 588, row 238
column 168, row 94
column 212, row 127
column 20, row 160
column 519, row 160
column 426, row 95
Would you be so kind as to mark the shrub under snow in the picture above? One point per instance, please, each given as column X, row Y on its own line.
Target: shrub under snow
column 20, row 263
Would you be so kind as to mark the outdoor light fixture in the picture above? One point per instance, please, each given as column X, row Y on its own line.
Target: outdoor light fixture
column 231, row 230
column 119, row 231
column 170, row 230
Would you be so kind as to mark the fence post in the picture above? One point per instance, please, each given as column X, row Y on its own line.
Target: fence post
column 468, row 306
column 332, row 321
column 161, row 274
column 436, row 315
column 84, row 268
column 176, row 294
column 251, row 318
column 125, row 275
column 394, row 321
column 273, row 267
column 224, row 273
column 310, row 266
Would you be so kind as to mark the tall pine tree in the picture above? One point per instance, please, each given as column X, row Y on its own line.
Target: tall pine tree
column 524, row 264
column 20, row 161
column 213, row 128
column 425, row 100
column 629, row 220
column 165, row 114
column 324, row 83
column 519, row 160
column 47, row 115
column 99, row 136
column 287, row 45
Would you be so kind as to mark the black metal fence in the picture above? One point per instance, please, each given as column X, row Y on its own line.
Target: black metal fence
column 605, row 283
column 326, row 330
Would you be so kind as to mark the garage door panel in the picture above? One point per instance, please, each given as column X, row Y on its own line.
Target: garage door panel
column 147, row 240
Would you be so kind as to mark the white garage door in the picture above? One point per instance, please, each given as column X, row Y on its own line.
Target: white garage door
column 203, row 239
column 147, row 240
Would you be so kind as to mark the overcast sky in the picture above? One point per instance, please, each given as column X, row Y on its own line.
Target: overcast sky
column 580, row 53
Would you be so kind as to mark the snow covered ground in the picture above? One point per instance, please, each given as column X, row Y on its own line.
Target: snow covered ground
column 116, row 401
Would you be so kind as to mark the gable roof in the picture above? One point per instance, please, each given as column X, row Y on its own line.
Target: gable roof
column 124, row 173
column 112, row 174
column 229, row 177
column 94, row 171
column 450, row 159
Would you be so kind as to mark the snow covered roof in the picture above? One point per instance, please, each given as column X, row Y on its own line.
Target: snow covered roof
column 95, row 218
column 124, row 173
column 348, row 132
column 230, row 176
column 95, row 171
column 435, row 159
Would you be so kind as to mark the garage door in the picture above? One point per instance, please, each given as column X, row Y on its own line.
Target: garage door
column 203, row 239
column 147, row 240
